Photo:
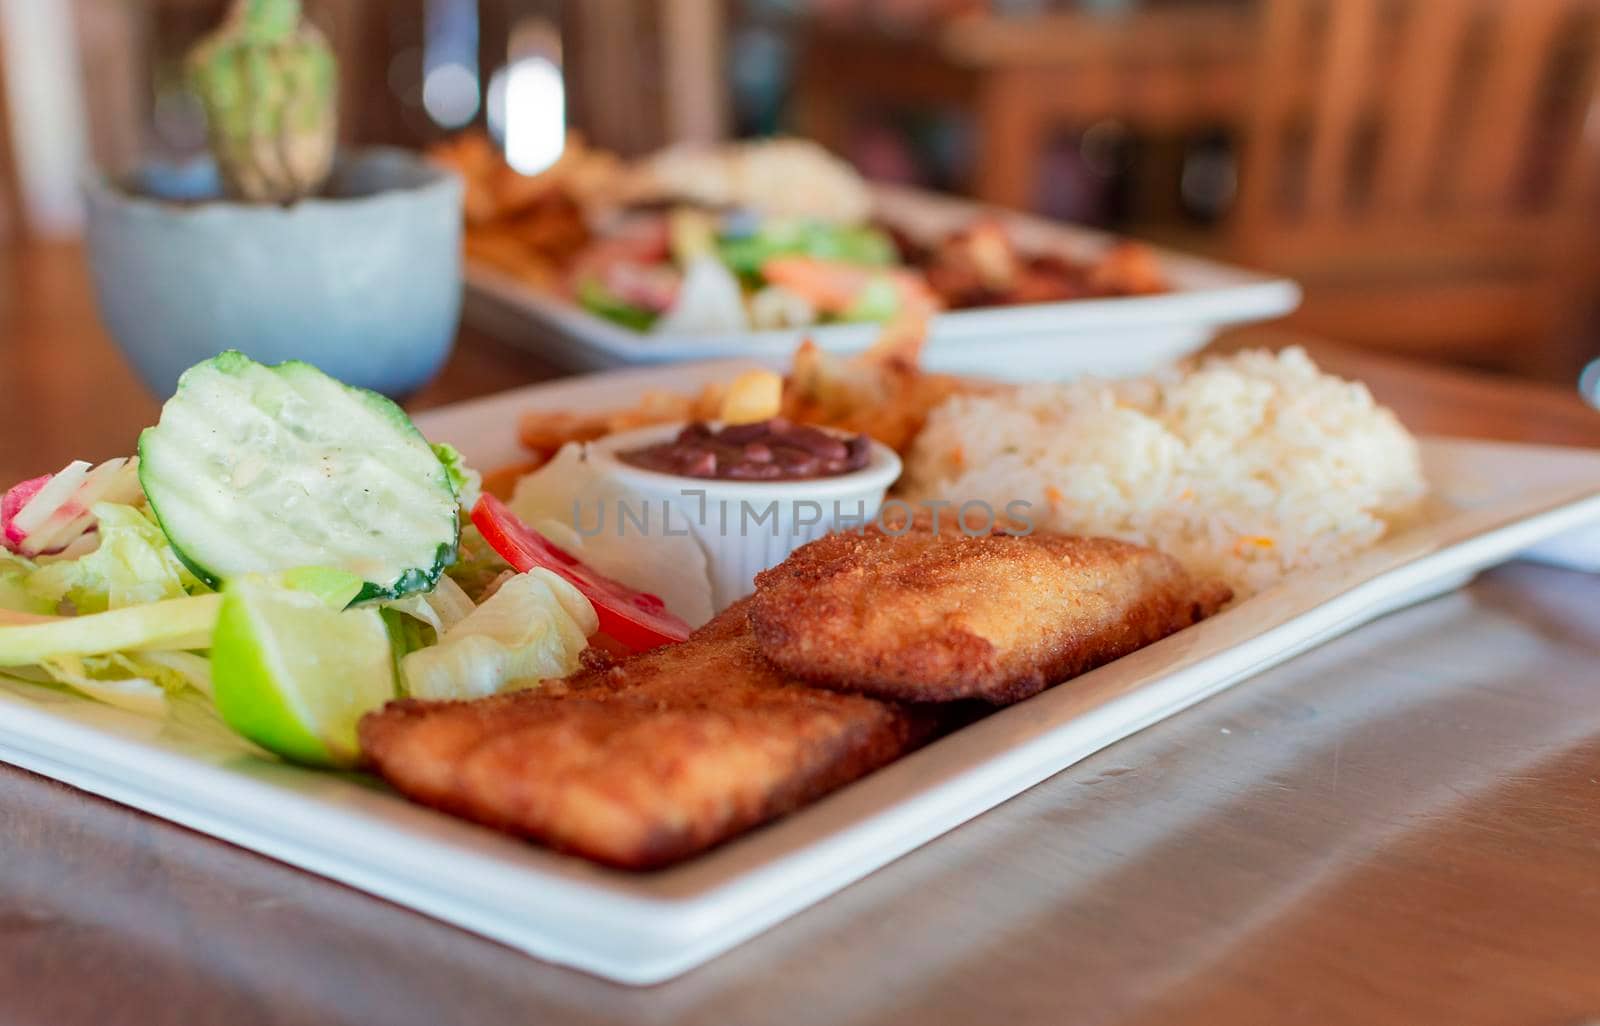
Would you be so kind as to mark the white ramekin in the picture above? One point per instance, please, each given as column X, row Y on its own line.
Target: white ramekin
column 730, row 519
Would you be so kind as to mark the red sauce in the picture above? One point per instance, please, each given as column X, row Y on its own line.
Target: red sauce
column 769, row 450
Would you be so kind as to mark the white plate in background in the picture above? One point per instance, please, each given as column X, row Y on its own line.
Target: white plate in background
column 1113, row 337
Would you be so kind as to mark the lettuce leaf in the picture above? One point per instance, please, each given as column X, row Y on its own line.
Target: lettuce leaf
column 532, row 629
column 406, row 634
column 464, row 481
column 441, row 608
column 416, row 621
column 879, row 301
column 478, row 567
column 15, row 572
column 133, row 565
column 850, row 244
column 597, row 299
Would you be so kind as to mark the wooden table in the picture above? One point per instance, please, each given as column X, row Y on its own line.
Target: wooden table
column 1402, row 826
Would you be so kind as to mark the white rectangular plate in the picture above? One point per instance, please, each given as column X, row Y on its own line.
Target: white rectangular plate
column 1491, row 502
column 1042, row 341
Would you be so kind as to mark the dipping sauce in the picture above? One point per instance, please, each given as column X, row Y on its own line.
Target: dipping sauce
column 767, row 450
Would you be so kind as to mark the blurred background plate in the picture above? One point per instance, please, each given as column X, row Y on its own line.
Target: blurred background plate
column 1110, row 337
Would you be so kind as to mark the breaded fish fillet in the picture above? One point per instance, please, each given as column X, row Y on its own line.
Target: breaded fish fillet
column 924, row 617
column 647, row 762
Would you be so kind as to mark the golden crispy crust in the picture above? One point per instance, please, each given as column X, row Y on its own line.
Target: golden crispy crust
column 644, row 763
column 938, row 618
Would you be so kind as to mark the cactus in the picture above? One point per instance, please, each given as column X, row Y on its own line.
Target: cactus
column 267, row 78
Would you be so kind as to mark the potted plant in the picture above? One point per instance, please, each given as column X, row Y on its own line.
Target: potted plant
column 286, row 248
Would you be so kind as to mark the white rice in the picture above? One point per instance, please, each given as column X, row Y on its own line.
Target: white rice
column 1247, row 468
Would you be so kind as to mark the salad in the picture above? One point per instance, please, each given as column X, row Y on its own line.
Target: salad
column 291, row 550
column 698, row 271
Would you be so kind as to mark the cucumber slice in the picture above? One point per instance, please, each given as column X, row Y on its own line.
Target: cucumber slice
column 256, row 469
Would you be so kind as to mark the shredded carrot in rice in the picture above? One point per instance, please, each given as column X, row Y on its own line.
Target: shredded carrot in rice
column 1247, row 541
column 1053, row 495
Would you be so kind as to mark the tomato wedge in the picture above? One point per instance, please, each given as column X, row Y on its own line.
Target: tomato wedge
column 631, row 618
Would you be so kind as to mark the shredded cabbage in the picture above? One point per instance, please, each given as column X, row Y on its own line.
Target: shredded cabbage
column 134, row 564
column 139, row 682
column 175, row 669
column 138, row 616
column 532, row 629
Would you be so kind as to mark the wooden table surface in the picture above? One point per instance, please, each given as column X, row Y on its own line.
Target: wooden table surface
column 1402, row 826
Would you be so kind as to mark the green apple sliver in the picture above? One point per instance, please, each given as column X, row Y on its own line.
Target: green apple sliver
column 255, row 469
column 295, row 675
column 181, row 623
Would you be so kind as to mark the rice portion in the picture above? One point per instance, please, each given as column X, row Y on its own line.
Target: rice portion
column 1247, row 467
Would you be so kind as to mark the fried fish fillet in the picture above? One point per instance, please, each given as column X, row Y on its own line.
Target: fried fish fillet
column 938, row 617
column 647, row 762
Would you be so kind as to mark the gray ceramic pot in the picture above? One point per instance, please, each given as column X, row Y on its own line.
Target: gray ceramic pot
column 365, row 282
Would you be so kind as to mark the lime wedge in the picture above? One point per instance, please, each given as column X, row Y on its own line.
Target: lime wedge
column 336, row 588
column 294, row 673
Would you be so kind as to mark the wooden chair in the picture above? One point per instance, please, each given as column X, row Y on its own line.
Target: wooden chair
column 1168, row 69
column 11, row 224
column 646, row 73
column 1426, row 168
